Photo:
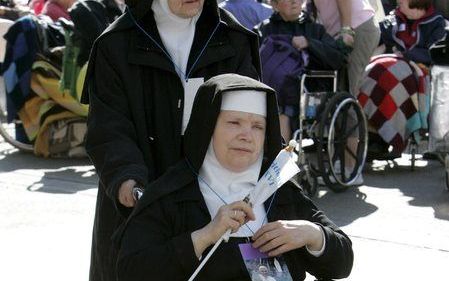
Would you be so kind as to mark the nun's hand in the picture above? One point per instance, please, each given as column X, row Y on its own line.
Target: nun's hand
column 125, row 193
column 231, row 216
column 276, row 238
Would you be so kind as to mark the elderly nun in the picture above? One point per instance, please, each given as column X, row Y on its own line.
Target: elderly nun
column 144, row 72
column 232, row 138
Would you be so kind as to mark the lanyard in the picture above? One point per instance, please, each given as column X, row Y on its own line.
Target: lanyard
column 185, row 76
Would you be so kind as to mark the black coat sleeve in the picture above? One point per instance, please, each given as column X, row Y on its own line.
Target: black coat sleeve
column 150, row 250
column 111, row 141
column 323, row 49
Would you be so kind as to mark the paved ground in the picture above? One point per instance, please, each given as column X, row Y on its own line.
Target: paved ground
column 398, row 221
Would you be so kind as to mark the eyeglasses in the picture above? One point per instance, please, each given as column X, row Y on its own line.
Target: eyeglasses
column 289, row 1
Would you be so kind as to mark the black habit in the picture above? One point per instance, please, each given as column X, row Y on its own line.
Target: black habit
column 136, row 106
column 155, row 243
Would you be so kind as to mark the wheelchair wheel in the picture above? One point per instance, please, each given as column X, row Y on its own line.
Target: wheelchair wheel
column 8, row 131
column 447, row 180
column 342, row 126
column 446, row 166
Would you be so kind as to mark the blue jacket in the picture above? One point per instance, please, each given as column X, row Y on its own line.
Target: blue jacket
column 430, row 30
column 248, row 12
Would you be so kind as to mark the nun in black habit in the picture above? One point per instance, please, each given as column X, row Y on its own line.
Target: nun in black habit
column 231, row 139
column 143, row 73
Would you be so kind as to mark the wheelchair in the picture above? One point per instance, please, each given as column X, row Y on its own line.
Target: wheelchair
column 9, row 129
column 332, row 134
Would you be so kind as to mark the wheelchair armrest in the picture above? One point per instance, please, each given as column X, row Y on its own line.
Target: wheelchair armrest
column 311, row 72
column 328, row 74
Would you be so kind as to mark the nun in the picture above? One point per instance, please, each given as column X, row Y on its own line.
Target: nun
column 143, row 74
column 232, row 138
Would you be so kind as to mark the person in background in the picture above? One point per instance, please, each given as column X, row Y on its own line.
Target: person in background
column 302, row 35
column 56, row 9
column 353, row 23
column 395, row 91
column 411, row 29
column 142, row 78
column 248, row 12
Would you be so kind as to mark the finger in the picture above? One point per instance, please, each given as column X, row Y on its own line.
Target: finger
column 233, row 225
column 267, row 237
column 267, row 227
column 240, row 205
column 280, row 250
column 238, row 216
column 245, row 207
column 123, row 200
column 272, row 244
column 248, row 211
column 243, row 217
column 129, row 202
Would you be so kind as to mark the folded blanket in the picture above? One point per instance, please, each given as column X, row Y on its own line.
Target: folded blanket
column 395, row 95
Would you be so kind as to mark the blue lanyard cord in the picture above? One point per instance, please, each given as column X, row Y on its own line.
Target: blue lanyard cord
column 202, row 51
column 186, row 77
column 224, row 202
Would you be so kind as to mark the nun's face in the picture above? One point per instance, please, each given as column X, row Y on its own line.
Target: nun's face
column 238, row 139
column 185, row 8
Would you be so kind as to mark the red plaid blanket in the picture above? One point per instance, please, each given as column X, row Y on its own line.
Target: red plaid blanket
column 395, row 95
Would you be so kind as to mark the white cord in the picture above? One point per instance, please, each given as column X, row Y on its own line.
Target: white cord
column 224, row 237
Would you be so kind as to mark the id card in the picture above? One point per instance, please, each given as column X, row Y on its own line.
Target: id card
column 191, row 87
column 263, row 268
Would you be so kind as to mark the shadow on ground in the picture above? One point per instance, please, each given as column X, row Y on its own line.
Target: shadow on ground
column 346, row 207
column 425, row 184
column 64, row 176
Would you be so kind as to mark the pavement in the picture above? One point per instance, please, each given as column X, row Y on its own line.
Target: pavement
column 398, row 221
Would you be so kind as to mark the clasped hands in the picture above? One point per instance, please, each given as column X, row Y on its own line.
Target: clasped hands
column 300, row 42
column 274, row 238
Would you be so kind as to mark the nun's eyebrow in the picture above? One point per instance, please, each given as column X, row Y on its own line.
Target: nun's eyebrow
column 259, row 122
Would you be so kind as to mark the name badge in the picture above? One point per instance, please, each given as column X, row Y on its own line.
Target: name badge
column 262, row 267
column 191, row 87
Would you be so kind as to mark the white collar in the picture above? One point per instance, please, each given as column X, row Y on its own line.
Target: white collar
column 176, row 33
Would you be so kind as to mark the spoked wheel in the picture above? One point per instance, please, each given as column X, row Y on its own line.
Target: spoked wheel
column 446, row 166
column 447, row 180
column 342, row 142
column 8, row 131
